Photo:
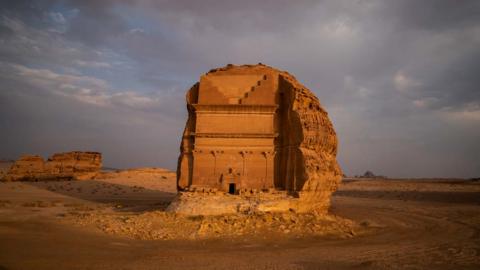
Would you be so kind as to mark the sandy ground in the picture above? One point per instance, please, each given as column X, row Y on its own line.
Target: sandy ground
column 106, row 224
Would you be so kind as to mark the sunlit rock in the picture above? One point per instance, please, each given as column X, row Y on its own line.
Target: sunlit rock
column 255, row 140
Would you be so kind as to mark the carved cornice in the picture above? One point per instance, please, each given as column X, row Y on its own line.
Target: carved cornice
column 234, row 109
column 234, row 135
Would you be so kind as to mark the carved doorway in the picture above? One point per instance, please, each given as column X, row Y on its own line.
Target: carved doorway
column 232, row 188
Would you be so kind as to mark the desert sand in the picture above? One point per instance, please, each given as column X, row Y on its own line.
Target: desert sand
column 118, row 221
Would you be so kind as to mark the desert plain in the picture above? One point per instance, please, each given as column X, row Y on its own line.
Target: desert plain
column 119, row 221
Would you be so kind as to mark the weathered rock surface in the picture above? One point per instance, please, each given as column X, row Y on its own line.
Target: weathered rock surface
column 60, row 166
column 256, row 129
column 80, row 165
column 4, row 167
column 27, row 167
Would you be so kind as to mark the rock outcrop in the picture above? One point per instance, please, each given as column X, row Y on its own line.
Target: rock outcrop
column 253, row 129
column 60, row 166
column 27, row 167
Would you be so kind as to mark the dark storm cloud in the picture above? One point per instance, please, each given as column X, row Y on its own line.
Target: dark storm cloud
column 243, row 17
column 433, row 15
column 28, row 10
column 5, row 32
column 96, row 22
column 399, row 79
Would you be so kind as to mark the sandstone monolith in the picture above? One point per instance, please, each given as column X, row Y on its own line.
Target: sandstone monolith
column 255, row 140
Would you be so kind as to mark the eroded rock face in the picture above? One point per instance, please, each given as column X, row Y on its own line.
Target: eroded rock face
column 254, row 129
column 26, row 167
column 78, row 164
column 60, row 166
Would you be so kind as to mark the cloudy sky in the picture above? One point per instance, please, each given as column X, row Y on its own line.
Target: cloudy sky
column 400, row 79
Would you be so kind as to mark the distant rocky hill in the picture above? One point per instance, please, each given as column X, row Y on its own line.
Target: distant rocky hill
column 369, row 174
column 60, row 166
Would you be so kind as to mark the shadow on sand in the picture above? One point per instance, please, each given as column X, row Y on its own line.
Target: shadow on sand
column 122, row 197
column 421, row 196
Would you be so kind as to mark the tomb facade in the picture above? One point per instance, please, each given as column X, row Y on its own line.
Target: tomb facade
column 253, row 128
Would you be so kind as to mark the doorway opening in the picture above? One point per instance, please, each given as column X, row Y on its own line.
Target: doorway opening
column 231, row 188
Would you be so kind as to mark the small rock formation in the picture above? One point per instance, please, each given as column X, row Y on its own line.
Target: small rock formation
column 60, row 166
column 27, row 167
column 78, row 164
column 370, row 174
column 255, row 140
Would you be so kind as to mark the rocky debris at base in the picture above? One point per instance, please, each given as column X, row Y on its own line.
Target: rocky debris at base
column 157, row 225
column 213, row 202
column 60, row 166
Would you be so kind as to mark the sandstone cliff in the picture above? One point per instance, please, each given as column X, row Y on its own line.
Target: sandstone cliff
column 60, row 166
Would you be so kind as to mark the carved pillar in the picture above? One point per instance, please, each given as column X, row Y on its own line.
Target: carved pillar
column 195, row 170
column 214, row 163
column 269, row 166
column 243, row 154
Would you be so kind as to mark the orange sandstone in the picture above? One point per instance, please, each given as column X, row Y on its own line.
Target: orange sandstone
column 255, row 139
column 60, row 166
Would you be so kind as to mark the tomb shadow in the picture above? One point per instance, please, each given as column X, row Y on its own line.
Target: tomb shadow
column 123, row 198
